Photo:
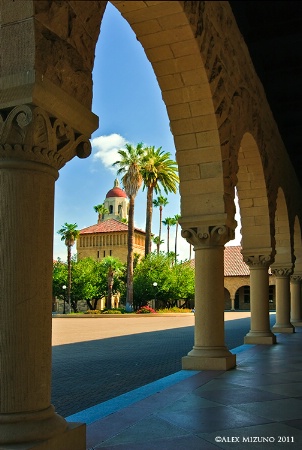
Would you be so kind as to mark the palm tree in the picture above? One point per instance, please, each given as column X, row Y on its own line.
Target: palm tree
column 69, row 233
column 101, row 210
column 159, row 203
column 176, row 219
column 130, row 166
column 113, row 266
column 168, row 222
column 158, row 171
column 157, row 241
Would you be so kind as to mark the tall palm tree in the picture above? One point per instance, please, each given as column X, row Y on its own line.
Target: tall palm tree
column 160, row 202
column 130, row 167
column 168, row 222
column 101, row 210
column 69, row 233
column 159, row 172
column 157, row 241
column 176, row 219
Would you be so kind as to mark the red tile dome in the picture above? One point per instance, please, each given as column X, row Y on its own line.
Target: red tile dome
column 116, row 191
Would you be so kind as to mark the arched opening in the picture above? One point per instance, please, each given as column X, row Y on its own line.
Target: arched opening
column 253, row 197
column 284, row 245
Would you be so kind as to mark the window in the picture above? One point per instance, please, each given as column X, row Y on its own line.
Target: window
column 246, row 294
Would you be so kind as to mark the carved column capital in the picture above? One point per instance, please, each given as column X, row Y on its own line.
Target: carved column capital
column 208, row 236
column 256, row 261
column 282, row 271
column 295, row 278
column 29, row 133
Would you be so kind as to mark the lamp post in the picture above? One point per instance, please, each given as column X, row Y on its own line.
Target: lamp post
column 156, row 292
column 64, row 290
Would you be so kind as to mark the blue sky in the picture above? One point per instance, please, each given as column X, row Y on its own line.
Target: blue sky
column 127, row 100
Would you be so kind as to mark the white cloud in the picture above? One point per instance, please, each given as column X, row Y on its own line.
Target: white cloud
column 105, row 149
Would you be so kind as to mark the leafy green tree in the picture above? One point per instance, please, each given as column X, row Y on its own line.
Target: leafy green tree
column 159, row 172
column 129, row 166
column 101, row 210
column 160, row 202
column 113, row 268
column 59, row 279
column 174, row 282
column 69, row 233
column 87, row 282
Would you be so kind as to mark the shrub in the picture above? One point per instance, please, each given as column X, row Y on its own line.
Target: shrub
column 112, row 311
column 175, row 309
column 145, row 310
column 93, row 311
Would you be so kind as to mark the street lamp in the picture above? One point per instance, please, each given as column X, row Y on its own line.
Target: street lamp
column 64, row 289
column 156, row 292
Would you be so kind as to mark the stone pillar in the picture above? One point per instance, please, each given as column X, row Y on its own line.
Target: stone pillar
column 33, row 147
column 232, row 298
column 295, row 300
column 260, row 332
column 282, row 276
column 209, row 351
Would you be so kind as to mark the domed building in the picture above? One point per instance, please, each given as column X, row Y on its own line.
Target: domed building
column 109, row 237
column 117, row 203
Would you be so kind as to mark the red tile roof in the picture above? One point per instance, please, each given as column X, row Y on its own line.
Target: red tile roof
column 107, row 226
column 234, row 265
column 233, row 262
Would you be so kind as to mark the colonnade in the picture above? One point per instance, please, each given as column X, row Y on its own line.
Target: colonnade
column 209, row 350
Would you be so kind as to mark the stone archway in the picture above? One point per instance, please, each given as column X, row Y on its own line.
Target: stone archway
column 283, row 266
column 213, row 98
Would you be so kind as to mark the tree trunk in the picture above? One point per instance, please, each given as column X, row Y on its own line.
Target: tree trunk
column 176, row 232
column 69, row 276
column 160, row 225
column 110, row 288
column 129, row 296
column 149, row 211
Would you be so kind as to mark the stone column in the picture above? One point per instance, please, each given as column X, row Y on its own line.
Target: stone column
column 33, row 147
column 282, row 276
column 295, row 300
column 232, row 298
column 209, row 351
column 260, row 332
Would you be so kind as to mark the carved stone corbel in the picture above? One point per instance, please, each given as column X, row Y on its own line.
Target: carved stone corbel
column 257, row 260
column 282, row 271
column 30, row 133
column 208, row 236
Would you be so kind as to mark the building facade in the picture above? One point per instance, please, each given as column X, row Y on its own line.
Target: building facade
column 109, row 237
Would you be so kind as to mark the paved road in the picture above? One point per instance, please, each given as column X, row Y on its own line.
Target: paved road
column 96, row 359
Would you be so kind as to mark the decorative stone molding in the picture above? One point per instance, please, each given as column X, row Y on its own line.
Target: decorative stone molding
column 282, row 271
column 30, row 133
column 257, row 261
column 295, row 278
column 208, row 236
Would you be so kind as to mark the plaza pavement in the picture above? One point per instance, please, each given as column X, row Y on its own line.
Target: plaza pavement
column 258, row 405
column 98, row 358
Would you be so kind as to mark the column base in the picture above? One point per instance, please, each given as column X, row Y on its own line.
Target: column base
column 287, row 328
column 73, row 438
column 254, row 337
column 209, row 358
column 296, row 323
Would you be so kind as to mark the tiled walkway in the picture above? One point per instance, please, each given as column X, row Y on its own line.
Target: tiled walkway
column 258, row 405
